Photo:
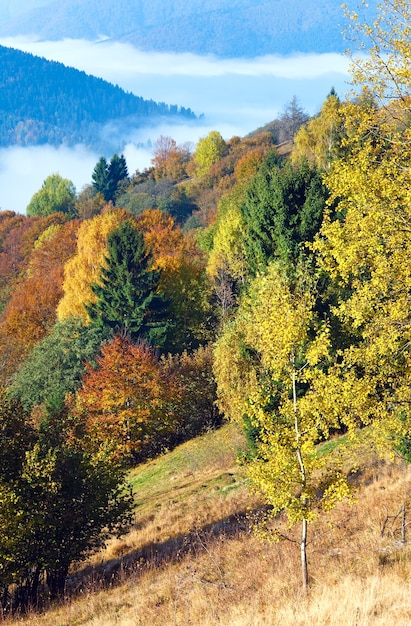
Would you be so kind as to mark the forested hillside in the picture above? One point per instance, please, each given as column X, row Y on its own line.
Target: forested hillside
column 46, row 102
column 246, row 284
column 240, row 28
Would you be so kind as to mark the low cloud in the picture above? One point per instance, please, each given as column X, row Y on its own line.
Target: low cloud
column 115, row 61
column 236, row 96
column 23, row 171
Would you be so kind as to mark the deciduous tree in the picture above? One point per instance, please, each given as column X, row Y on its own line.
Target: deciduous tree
column 183, row 279
column 31, row 311
column 127, row 399
column 208, row 151
column 169, row 159
column 195, row 410
column 59, row 502
column 269, row 370
column 291, row 119
column 319, row 140
column 56, row 195
column 385, row 71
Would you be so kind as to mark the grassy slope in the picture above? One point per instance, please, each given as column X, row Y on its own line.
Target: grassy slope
column 191, row 558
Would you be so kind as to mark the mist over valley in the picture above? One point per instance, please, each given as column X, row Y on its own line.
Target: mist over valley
column 234, row 96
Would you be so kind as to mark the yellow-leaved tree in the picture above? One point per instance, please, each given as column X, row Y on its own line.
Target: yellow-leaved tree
column 271, row 367
column 183, row 279
column 365, row 241
column 227, row 264
column 320, row 138
column 385, row 37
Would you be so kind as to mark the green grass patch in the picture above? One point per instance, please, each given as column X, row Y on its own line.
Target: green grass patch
column 205, row 464
column 323, row 449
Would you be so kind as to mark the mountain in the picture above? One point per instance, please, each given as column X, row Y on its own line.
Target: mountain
column 46, row 102
column 11, row 8
column 235, row 28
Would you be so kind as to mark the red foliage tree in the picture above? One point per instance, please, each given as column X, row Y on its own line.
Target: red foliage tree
column 127, row 399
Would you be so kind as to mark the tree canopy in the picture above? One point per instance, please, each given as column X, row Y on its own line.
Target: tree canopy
column 126, row 298
column 59, row 502
column 57, row 194
column 108, row 176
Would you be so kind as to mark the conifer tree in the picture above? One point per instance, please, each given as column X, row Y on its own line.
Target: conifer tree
column 281, row 211
column 127, row 300
column 100, row 178
column 117, row 172
column 107, row 176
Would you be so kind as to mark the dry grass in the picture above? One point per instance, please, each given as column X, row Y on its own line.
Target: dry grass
column 192, row 560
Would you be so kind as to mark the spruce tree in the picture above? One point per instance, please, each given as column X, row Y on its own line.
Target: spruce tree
column 281, row 211
column 107, row 176
column 126, row 292
column 100, row 177
column 117, row 169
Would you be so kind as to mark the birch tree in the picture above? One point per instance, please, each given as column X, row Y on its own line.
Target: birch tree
column 271, row 367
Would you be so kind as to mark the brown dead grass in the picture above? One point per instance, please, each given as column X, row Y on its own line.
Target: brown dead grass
column 191, row 558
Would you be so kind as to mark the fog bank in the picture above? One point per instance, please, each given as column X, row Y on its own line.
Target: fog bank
column 236, row 96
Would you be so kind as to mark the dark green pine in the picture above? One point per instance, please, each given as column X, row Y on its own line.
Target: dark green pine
column 126, row 293
column 282, row 211
column 101, row 179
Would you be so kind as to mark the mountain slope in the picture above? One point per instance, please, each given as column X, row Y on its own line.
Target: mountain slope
column 46, row 102
column 192, row 557
column 240, row 28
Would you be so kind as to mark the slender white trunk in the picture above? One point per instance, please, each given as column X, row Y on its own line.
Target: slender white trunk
column 304, row 565
column 304, row 530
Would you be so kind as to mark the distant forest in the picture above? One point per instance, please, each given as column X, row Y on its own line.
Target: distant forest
column 46, row 102
column 239, row 28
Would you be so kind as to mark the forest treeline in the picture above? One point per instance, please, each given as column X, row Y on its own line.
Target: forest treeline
column 45, row 102
column 243, row 280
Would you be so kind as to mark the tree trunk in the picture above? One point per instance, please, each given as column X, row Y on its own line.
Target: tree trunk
column 304, row 566
column 56, row 581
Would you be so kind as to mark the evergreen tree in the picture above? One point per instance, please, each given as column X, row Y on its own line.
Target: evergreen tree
column 126, row 292
column 100, row 178
column 107, row 176
column 117, row 169
column 282, row 210
column 55, row 365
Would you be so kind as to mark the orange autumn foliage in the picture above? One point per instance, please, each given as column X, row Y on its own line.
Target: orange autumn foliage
column 127, row 399
column 161, row 235
column 31, row 311
column 18, row 235
column 183, row 280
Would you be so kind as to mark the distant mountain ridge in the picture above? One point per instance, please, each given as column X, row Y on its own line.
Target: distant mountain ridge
column 46, row 102
column 235, row 28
